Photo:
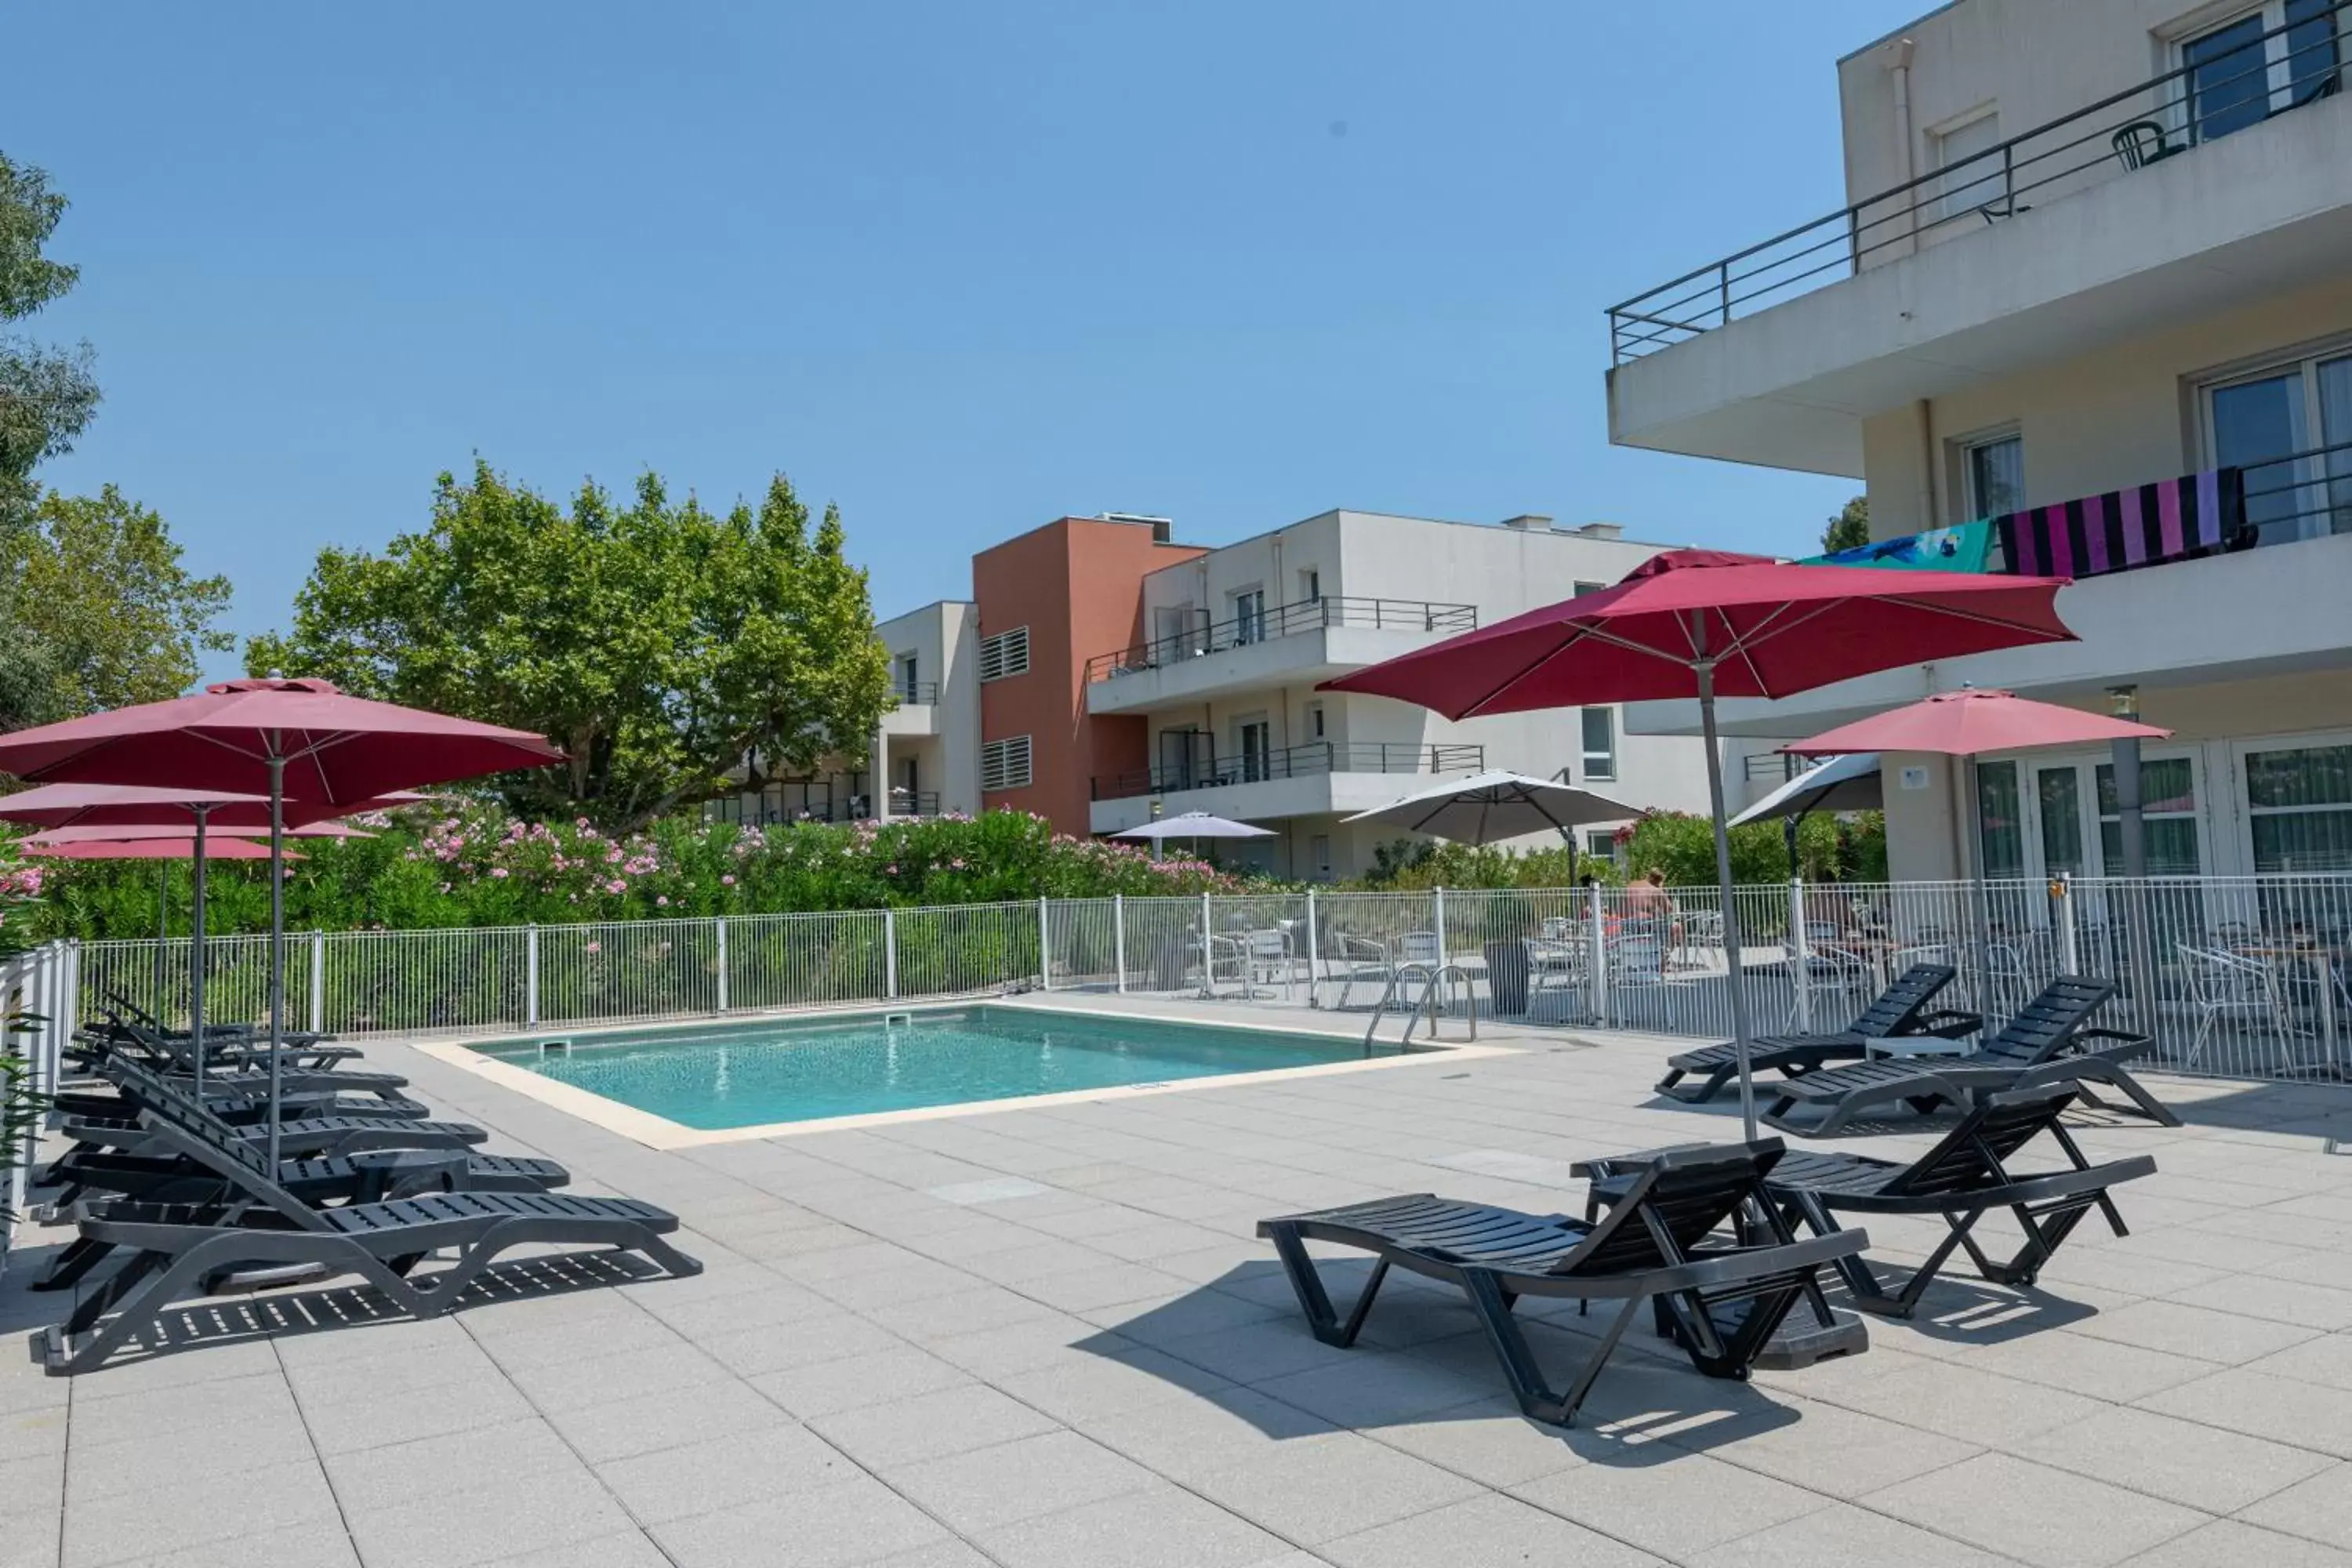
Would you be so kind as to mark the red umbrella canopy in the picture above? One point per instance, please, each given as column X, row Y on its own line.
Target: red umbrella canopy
column 153, row 849
column 1769, row 627
column 140, row 806
column 338, row 751
column 183, row 831
column 1969, row 724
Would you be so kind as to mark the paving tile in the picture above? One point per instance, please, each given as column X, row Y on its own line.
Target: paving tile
column 505, row 1516
column 2080, row 1363
column 2200, row 1333
column 2305, row 1305
column 984, row 1488
column 1487, row 1440
column 2327, row 1360
column 2228, row 1543
column 161, row 1519
column 747, row 1353
column 1309, row 1493
column 854, row 1521
column 597, row 1380
column 2304, row 1415
column 847, row 1381
column 367, row 1479
column 1375, row 1388
column 624, row 1548
column 946, row 1554
column 318, row 1544
column 2206, row 1467
column 209, row 1408
column 441, row 1411
column 617, row 1428
column 1159, row 1527
column 1675, row 1507
column 1826, row 1448
column 928, row 1425
column 962, row 1312
column 723, row 1472
column 1185, row 1440
column 2035, row 1513
column 2317, row 1509
column 1845, row 1536
column 1485, row 1530
column 1076, row 1391
column 1960, row 1402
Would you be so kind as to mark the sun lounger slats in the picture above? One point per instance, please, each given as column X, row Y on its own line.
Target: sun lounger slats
column 1901, row 1010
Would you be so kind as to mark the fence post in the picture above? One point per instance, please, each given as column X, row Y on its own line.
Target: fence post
column 1439, row 921
column 719, row 928
column 1313, row 965
column 1045, row 944
column 318, row 983
column 890, row 954
column 1118, row 938
column 2069, row 954
column 1597, row 962
column 1800, row 956
column 1208, row 951
column 530, row 974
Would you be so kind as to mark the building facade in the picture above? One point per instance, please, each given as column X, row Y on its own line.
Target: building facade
column 2098, row 254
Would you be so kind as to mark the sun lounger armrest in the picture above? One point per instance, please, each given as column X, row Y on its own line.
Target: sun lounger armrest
column 2126, row 1043
column 1948, row 1025
column 1731, row 1265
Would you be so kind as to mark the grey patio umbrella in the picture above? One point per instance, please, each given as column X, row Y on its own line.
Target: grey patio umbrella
column 1498, row 804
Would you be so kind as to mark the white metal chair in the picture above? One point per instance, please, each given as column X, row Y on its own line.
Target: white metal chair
column 2227, row 987
column 1555, row 974
column 1839, row 982
column 1420, row 947
column 1271, row 957
column 1361, row 959
column 1637, row 968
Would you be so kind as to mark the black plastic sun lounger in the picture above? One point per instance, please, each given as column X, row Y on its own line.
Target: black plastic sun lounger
column 1962, row 1179
column 1720, row 1302
column 172, row 1248
column 225, row 1040
column 212, row 1165
column 1901, row 1010
column 2049, row 1041
column 177, row 1057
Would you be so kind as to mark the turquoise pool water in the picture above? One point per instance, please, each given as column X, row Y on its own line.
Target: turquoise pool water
column 715, row 1076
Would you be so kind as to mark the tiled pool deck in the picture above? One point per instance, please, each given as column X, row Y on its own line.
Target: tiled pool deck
column 1044, row 1337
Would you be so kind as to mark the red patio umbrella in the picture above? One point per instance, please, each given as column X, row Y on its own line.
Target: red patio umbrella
column 303, row 738
column 1709, row 623
column 185, row 843
column 181, row 847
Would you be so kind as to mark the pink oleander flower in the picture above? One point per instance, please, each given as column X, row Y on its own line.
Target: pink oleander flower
column 498, row 871
column 616, row 887
column 727, row 880
column 595, row 947
column 662, row 900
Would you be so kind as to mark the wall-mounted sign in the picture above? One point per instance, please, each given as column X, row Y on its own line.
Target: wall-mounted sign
column 1913, row 778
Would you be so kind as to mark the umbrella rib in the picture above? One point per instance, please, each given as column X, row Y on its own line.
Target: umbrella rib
column 1583, row 632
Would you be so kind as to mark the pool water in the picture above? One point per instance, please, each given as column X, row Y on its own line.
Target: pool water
column 750, row 1074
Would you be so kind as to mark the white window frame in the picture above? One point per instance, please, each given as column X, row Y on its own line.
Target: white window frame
column 1006, row 764
column 1004, row 654
column 1580, row 588
column 1310, row 586
column 1974, row 507
column 2033, row 863
column 2304, row 359
column 2241, row 799
column 1259, row 767
column 1247, row 614
column 905, row 670
column 1978, row 188
column 1318, row 722
column 1600, row 844
column 1585, row 755
column 2278, row 79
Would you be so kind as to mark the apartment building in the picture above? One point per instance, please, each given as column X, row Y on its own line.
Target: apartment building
column 2094, row 290
column 926, row 752
column 1218, row 677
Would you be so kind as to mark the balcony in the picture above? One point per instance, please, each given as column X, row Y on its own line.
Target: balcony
column 1298, row 781
column 1310, row 640
column 917, row 711
column 2186, row 195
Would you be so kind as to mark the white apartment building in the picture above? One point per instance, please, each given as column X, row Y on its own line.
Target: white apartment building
column 925, row 751
column 1234, row 641
column 2097, row 270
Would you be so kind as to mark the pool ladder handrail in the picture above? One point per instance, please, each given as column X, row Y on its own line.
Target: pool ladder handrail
column 1432, row 977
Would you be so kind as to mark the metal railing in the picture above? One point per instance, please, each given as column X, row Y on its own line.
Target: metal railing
column 1776, row 767
column 1282, row 621
column 2231, row 977
column 2300, row 494
column 1313, row 759
column 914, row 693
column 2286, row 67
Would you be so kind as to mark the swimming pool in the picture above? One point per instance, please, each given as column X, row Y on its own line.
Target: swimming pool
column 756, row 1073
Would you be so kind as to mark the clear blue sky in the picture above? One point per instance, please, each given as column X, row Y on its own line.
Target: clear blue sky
column 961, row 267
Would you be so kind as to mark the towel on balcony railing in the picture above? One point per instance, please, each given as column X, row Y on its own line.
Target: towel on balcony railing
column 2171, row 520
column 1960, row 548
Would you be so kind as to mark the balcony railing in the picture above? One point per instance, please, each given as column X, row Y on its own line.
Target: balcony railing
column 2303, row 495
column 1290, row 763
column 913, row 693
column 1282, row 621
column 2281, row 69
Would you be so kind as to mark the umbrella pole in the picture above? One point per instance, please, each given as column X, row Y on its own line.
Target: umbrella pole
column 1740, row 1027
column 277, row 944
column 163, row 927
column 196, row 956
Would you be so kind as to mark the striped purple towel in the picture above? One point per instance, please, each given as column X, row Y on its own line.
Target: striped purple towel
column 2171, row 520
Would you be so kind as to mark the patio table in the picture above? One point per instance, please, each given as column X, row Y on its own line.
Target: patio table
column 2322, row 962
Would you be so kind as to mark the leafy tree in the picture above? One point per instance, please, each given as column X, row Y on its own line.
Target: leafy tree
column 1849, row 528
column 104, row 599
column 659, row 644
column 47, row 394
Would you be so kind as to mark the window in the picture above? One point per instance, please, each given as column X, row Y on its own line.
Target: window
column 1319, row 856
column 2289, row 427
column 1584, row 588
column 1310, row 587
column 1004, row 764
column 2058, row 791
column 1173, row 635
column 1600, row 742
column 2281, row 55
column 2299, row 805
column 909, row 686
column 2168, row 805
column 1253, row 739
column 2000, row 836
column 1005, row 654
column 1314, row 720
column 1972, row 181
column 1995, row 472
column 1249, row 617
column 1601, row 843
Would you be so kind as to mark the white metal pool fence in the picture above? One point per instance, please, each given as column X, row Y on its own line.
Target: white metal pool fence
column 2236, row 976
